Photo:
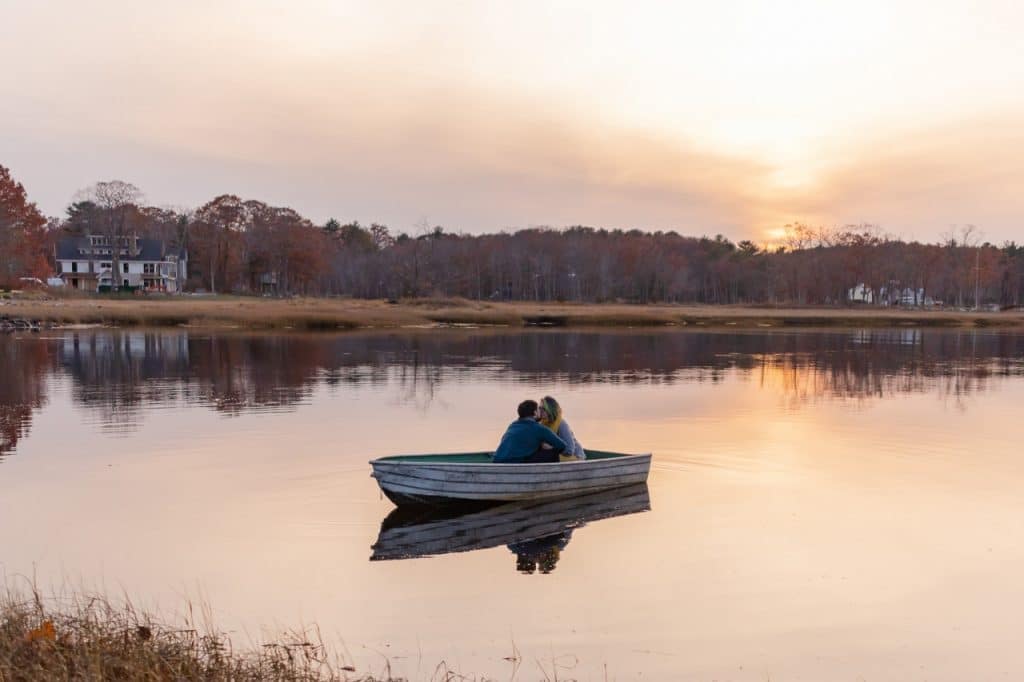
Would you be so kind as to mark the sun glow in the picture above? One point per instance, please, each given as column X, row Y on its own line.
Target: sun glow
column 733, row 117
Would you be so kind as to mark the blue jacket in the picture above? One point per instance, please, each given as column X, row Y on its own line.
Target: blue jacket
column 522, row 438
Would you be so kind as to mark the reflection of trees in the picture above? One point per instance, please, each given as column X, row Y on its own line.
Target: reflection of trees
column 234, row 374
column 862, row 364
column 121, row 373
column 23, row 367
column 874, row 364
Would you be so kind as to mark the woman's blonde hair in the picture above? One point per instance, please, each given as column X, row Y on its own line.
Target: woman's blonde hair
column 552, row 407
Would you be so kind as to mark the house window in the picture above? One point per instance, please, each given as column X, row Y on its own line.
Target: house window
column 104, row 266
column 74, row 268
column 74, row 282
column 124, row 283
column 125, row 265
column 149, row 268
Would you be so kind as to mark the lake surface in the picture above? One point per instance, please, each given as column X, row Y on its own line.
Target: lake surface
column 838, row 505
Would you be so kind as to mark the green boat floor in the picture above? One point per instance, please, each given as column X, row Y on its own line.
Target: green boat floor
column 479, row 457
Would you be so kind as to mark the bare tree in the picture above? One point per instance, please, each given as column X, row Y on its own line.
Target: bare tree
column 119, row 203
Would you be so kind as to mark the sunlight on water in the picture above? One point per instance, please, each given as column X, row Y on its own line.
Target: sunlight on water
column 817, row 500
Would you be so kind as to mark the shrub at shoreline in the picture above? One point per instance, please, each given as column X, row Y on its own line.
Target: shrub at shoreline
column 89, row 637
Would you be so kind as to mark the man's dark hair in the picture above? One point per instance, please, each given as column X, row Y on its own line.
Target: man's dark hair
column 527, row 408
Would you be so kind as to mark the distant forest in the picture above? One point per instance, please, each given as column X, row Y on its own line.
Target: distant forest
column 237, row 246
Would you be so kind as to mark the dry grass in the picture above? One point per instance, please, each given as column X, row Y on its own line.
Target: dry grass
column 341, row 314
column 89, row 638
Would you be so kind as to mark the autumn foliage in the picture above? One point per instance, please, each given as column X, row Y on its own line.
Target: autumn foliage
column 24, row 242
column 249, row 247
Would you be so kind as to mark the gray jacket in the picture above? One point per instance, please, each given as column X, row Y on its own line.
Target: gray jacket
column 572, row 446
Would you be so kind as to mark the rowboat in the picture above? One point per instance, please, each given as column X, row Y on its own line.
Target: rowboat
column 472, row 476
column 413, row 532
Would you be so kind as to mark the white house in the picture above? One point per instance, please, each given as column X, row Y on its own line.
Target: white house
column 861, row 293
column 143, row 264
column 906, row 296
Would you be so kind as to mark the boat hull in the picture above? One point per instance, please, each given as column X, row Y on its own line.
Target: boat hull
column 427, row 480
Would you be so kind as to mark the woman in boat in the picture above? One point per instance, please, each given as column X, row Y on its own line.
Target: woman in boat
column 550, row 415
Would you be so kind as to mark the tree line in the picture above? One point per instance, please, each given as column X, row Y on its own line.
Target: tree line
column 248, row 247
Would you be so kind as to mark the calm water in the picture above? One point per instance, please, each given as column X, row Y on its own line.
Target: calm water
column 823, row 506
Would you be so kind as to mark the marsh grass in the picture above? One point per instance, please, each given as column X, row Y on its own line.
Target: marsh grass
column 321, row 314
column 87, row 637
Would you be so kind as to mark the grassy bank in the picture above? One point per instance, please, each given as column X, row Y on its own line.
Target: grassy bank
column 340, row 314
column 88, row 638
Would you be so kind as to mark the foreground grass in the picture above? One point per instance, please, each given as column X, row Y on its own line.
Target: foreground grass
column 89, row 638
column 335, row 314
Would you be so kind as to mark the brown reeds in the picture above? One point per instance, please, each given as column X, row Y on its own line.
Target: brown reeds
column 85, row 637
column 343, row 314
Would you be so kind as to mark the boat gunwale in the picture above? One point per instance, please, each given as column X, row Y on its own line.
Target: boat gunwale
column 397, row 459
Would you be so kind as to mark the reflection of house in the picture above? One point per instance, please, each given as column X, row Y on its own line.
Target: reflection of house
column 144, row 264
column 164, row 355
column 888, row 337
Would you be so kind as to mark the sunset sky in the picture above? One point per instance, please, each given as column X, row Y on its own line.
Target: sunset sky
column 731, row 117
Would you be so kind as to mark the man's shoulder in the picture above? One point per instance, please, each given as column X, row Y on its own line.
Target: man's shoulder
column 518, row 425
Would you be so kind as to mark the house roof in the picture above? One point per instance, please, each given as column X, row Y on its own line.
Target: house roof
column 70, row 248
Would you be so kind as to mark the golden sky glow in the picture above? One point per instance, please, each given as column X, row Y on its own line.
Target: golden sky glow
column 733, row 117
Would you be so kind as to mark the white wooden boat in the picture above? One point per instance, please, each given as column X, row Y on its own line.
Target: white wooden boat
column 472, row 476
column 427, row 531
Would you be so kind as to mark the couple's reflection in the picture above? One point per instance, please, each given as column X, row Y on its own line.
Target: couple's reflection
column 541, row 554
column 536, row 532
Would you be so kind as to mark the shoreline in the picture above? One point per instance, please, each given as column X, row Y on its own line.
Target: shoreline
column 317, row 314
column 79, row 634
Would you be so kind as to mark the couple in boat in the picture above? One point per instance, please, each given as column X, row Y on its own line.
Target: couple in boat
column 539, row 435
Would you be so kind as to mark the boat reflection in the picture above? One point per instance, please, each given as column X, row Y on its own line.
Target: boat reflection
column 536, row 532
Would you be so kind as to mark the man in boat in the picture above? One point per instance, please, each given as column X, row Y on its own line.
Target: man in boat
column 525, row 437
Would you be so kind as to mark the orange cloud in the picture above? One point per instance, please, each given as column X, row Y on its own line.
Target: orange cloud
column 918, row 183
